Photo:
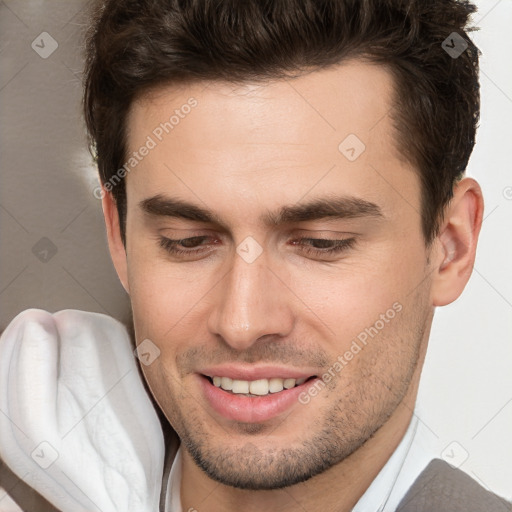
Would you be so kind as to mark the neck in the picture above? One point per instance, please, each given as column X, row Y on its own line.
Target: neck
column 337, row 489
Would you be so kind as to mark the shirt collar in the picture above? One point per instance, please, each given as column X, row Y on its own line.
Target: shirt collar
column 377, row 495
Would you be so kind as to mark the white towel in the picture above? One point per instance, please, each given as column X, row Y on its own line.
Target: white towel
column 76, row 423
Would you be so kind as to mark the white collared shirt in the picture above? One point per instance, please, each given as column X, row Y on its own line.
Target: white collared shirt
column 384, row 494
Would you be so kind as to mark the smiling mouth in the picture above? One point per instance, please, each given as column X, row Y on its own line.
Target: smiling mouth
column 256, row 388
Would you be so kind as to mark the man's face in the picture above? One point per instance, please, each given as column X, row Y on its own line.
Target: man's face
column 267, row 288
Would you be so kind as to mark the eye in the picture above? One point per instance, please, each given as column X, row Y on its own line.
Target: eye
column 185, row 246
column 197, row 245
column 324, row 246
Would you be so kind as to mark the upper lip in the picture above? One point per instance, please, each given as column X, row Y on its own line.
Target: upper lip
column 251, row 372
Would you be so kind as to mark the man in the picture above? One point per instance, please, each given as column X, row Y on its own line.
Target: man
column 283, row 191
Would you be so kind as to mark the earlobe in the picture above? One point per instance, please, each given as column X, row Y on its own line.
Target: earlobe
column 457, row 242
column 115, row 242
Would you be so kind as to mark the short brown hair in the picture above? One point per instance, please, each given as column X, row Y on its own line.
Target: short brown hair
column 133, row 46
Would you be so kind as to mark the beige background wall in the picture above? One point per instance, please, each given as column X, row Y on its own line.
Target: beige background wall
column 52, row 243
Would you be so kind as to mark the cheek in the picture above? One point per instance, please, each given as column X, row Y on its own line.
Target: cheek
column 154, row 291
column 161, row 302
column 168, row 306
column 377, row 353
column 352, row 296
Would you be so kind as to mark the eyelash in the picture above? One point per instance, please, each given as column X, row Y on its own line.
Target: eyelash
column 340, row 246
column 171, row 246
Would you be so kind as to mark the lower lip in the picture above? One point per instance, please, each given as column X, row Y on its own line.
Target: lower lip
column 249, row 409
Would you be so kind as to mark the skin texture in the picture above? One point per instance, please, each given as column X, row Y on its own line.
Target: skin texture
column 242, row 152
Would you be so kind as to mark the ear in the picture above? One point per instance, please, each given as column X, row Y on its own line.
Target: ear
column 115, row 242
column 456, row 243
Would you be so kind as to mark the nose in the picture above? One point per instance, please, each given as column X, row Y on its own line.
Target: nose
column 250, row 302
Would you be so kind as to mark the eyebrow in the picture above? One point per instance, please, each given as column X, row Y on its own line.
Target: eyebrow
column 339, row 207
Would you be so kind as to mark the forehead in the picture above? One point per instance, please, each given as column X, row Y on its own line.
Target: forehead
column 254, row 142
column 353, row 96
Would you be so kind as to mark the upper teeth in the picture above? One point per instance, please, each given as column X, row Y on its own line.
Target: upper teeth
column 256, row 387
